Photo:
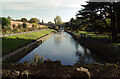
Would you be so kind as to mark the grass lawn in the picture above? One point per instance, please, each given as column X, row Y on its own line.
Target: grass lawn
column 118, row 44
column 101, row 37
column 11, row 43
column 86, row 33
column 93, row 35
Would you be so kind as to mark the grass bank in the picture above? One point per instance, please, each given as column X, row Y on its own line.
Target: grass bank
column 11, row 43
column 104, row 52
column 93, row 35
column 100, row 37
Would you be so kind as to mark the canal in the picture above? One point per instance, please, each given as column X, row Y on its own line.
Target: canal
column 61, row 46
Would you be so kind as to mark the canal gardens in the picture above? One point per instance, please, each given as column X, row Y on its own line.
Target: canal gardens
column 87, row 47
column 67, row 51
column 70, row 47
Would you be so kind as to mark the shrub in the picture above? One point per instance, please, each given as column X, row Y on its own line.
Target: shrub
column 16, row 30
column 3, row 31
column 0, row 29
column 5, row 21
column 8, row 28
column 31, row 29
column 8, row 32
column 37, row 59
column 24, row 29
column 24, row 20
column 20, row 26
column 34, row 20
column 56, row 27
column 67, row 28
column 45, row 27
column 34, row 25
column 25, row 25
column 14, row 26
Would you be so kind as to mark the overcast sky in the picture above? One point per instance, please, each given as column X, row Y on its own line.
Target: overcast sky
column 45, row 10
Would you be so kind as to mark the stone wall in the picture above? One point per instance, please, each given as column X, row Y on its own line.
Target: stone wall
column 16, row 23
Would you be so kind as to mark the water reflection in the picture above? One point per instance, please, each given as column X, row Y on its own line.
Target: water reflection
column 84, row 55
column 62, row 47
column 57, row 38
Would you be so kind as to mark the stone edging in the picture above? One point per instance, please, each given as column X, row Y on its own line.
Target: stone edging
column 26, row 49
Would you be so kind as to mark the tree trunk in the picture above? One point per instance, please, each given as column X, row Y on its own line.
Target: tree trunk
column 118, row 22
column 113, row 23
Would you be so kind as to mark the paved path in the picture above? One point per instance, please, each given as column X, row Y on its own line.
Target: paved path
column 21, row 33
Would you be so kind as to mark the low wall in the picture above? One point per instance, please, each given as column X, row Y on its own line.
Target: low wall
column 21, row 52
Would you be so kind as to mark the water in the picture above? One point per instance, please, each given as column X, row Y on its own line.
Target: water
column 62, row 47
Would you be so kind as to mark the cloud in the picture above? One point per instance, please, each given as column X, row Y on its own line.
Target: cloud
column 15, row 6
column 44, row 9
column 40, row 5
column 42, row 0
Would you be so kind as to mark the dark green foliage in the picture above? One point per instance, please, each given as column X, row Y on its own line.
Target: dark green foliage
column 37, row 59
column 50, row 22
column 24, row 20
column 15, row 30
column 95, row 15
column 58, row 20
column 7, row 28
column 5, row 22
column 20, row 26
column 9, row 18
column 25, row 25
column 34, row 20
column 101, row 17
column 73, row 25
column 42, row 21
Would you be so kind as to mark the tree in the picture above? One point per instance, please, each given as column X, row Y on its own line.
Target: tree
column 9, row 18
column 73, row 24
column 42, row 21
column 96, row 12
column 50, row 22
column 5, row 22
column 25, row 25
column 34, row 20
column 20, row 26
column 58, row 20
column 24, row 20
column 8, row 28
column 34, row 25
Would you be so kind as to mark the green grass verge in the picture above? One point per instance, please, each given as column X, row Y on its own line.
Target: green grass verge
column 101, row 37
column 11, row 43
column 92, row 34
column 118, row 44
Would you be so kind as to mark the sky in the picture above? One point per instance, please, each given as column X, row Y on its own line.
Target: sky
column 45, row 10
